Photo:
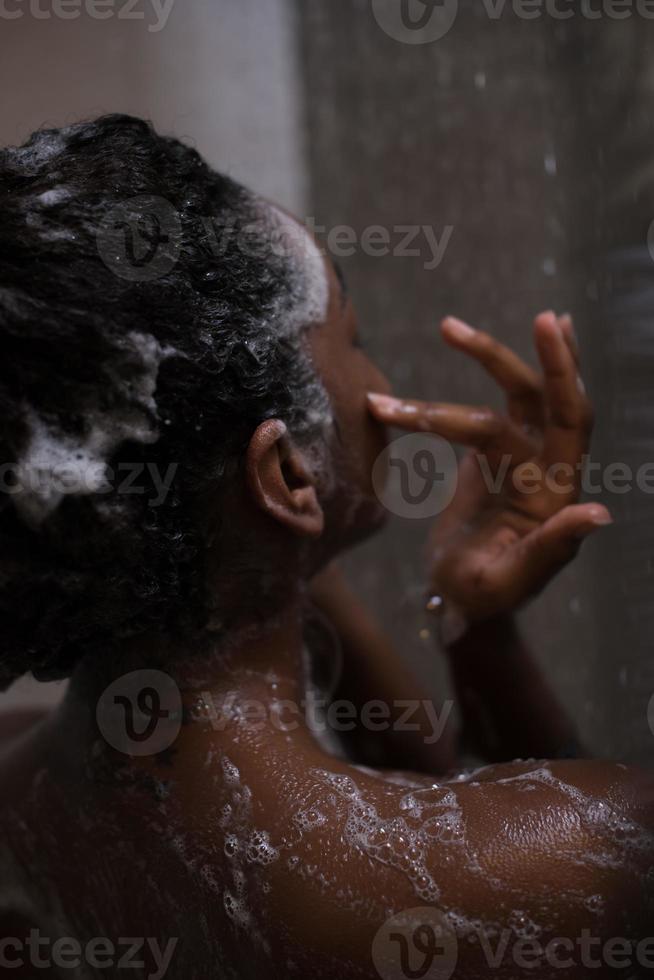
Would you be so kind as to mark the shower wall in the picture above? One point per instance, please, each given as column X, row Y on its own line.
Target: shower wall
column 509, row 132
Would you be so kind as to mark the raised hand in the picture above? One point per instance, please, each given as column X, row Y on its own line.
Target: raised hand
column 515, row 519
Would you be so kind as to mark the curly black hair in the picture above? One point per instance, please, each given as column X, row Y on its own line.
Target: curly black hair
column 145, row 318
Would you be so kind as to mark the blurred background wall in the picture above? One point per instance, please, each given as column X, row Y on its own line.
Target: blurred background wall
column 532, row 140
column 515, row 134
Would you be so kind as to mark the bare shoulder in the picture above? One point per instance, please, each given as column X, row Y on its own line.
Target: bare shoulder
column 547, row 851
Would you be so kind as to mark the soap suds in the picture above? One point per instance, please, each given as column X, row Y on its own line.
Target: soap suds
column 311, row 286
column 56, row 464
column 54, row 196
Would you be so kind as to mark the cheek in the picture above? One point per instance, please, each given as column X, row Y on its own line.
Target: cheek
column 348, row 376
column 376, row 439
column 363, row 437
column 375, row 435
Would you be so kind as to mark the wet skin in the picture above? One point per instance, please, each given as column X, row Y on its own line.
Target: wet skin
column 265, row 855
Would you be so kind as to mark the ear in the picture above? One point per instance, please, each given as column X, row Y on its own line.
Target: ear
column 280, row 481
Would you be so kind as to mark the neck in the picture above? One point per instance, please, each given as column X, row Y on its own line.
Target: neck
column 241, row 660
column 253, row 650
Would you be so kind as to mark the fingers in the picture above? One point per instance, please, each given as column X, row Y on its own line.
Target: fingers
column 466, row 424
column 523, row 570
column 569, row 412
column 503, row 364
column 521, row 383
column 568, row 330
column 559, row 394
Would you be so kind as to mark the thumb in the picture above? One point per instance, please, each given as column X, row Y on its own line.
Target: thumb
column 532, row 562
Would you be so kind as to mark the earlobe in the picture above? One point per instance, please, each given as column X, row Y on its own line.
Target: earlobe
column 281, row 482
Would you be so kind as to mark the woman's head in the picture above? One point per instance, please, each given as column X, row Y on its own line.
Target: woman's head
column 158, row 323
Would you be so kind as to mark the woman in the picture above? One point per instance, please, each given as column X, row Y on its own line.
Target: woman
column 189, row 428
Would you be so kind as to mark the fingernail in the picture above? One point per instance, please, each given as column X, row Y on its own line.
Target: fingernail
column 458, row 329
column 583, row 532
column 566, row 323
column 384, row 402
column 601, row 518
